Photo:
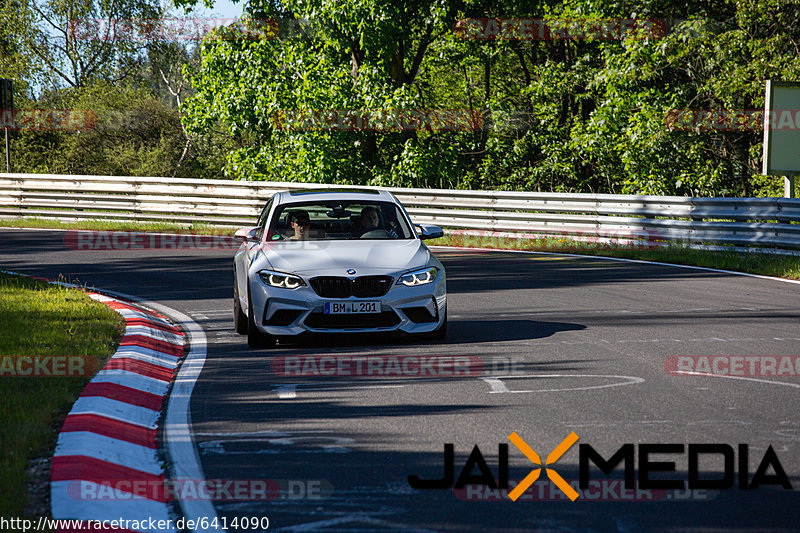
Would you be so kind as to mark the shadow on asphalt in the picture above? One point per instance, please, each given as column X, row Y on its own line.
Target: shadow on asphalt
column 459, row 332
column 369, row 491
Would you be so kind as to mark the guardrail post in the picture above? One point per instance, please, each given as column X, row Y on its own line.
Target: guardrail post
column 8, row 152
column 7, row 112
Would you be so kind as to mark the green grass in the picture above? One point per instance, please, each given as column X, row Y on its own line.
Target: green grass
column 38, row 318
column 104, row 225
column 780, row 266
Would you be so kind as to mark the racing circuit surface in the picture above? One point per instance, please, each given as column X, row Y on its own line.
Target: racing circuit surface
column 555, row 344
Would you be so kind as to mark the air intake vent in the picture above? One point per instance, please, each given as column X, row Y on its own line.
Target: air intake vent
column 361, row 287
column 384, row 319
column 330, row 287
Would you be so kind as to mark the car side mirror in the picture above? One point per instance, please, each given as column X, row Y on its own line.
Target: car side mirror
column 429, row 231
column 247, row 234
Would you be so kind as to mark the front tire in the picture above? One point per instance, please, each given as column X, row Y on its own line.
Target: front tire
column 255, row 338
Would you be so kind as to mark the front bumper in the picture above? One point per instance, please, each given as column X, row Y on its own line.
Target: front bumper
column 288, row 312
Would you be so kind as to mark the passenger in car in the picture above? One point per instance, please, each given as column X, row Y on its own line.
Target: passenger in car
column 301, row 224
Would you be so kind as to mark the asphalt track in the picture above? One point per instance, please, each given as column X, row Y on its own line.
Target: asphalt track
column 584, row 342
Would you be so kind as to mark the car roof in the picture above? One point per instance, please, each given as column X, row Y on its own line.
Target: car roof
column 326, row 195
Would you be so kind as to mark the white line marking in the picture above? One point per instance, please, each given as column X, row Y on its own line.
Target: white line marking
column 356, row 518
column 181, row 449
column 621, row 259
column 496, row 385
column 624, row 341
column 287, row 392
column 693, row 310
column 178, row 424
column 609, row 423
column 718, row 422
column 629, row 380
column 702, row 374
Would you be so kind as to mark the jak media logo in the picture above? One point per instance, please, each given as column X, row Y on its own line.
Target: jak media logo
column 645, row 474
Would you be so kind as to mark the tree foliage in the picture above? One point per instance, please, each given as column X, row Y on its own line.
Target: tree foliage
column 98, row 58
column 279, row 96
column 74, row 42
column 563, row 115
column 136, row 133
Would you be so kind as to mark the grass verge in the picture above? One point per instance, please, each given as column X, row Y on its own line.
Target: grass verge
column 779, row 266
column 104, row 225
column 41, row 319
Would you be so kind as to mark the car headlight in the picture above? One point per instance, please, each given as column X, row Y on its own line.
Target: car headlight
column 419, row 277
column 281, row 280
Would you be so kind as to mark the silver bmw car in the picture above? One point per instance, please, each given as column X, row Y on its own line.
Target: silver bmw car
column 337, row 261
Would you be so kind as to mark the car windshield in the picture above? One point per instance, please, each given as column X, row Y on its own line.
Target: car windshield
column 338, row 220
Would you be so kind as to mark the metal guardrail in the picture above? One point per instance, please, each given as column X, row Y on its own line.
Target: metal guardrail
column 740, row 222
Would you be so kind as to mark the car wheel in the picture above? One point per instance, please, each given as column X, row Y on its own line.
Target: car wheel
column 441, row 332
column 239, row 318
column 256, row 339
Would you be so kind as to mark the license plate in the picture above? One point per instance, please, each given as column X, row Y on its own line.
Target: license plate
column 349, row 308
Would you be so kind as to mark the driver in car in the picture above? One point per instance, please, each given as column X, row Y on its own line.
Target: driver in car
column 369, row 219
column 301, row 224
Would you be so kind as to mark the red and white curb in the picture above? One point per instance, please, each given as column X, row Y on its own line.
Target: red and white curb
column 108, row 440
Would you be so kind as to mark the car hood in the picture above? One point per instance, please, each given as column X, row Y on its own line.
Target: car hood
column 334, row 258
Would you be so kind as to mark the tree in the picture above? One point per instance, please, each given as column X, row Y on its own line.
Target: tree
column 76, row 42
column 343, row 56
